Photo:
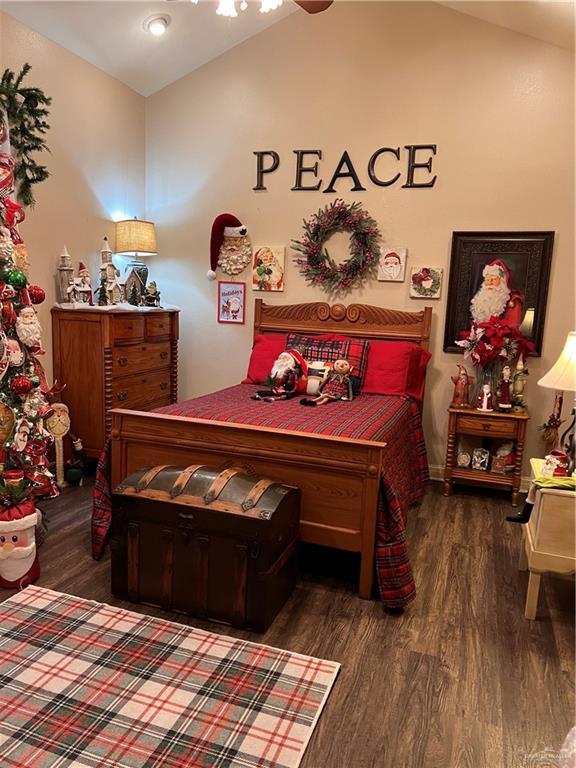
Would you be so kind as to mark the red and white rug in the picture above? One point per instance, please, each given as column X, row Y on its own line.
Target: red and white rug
column 86, row 684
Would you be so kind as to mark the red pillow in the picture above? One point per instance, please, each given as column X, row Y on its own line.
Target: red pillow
column 265, row 350
column 396, row 368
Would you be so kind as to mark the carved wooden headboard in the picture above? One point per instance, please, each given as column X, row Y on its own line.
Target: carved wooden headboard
column 361, row 320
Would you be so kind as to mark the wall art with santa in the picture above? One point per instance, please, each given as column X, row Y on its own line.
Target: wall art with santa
column 25, row 397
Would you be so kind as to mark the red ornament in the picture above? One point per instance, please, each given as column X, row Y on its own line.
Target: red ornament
column 8, row 314
column 21, row 385
column 36, row 293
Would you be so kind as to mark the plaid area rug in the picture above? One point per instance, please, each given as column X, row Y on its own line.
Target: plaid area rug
column 87, row 684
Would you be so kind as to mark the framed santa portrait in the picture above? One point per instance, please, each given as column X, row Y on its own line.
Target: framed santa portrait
column 498, row 274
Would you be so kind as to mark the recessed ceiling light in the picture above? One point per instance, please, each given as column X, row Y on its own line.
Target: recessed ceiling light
column 157, row 24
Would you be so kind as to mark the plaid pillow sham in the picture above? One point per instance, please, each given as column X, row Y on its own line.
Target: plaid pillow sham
column 315, row 348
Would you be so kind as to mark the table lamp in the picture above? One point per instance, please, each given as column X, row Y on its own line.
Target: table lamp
column 137, row 238
column 562, row 377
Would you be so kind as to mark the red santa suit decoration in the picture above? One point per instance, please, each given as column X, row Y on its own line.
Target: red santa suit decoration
column 485, row 399
column 496, row 298
column 288, row 371
column 19, row 564
column 230, row 247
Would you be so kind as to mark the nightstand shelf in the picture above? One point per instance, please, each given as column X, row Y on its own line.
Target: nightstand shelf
column 485, row 426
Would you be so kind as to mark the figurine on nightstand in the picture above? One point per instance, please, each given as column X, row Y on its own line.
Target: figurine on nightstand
column 485, row 399
column 462, row 382
column 152, row 295
column 503, row 459
column 505, row 389
column 520, row 376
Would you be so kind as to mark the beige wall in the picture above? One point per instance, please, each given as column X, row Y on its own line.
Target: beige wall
column 498, row 104
column 96, row 160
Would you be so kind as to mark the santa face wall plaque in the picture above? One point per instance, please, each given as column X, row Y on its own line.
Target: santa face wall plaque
column 392, row 265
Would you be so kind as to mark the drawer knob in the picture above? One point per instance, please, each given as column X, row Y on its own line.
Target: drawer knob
column 122, row 395
column 163, row 355
column 486, row 427
column 164, row 385
column 122, row 361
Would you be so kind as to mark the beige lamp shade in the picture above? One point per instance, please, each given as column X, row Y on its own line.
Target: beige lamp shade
column 562, row 375
column 135, row 236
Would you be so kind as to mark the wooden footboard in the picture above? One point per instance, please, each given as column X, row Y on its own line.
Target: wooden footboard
column 339, row 477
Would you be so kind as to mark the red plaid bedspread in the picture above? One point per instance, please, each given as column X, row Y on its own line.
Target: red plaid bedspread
column 87, row 684
column 384, row 418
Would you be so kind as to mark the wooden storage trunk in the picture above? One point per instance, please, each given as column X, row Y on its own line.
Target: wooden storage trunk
column 218, row 544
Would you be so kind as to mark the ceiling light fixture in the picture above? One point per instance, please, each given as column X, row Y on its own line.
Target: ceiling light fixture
column 269, row 5
column 227, row 8
column 157, row 24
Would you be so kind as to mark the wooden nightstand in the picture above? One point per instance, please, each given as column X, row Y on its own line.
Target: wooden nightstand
column 486, row 427
column 113, row 358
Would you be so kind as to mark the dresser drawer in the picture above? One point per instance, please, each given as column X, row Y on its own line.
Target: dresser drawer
column 141, row 390
column 140, row 357
column 129, row 327
column 486, row 426
column 157, row 326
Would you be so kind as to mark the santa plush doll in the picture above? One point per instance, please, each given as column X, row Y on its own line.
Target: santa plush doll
column 287, row 375
column 19, row 564
column 230, row 247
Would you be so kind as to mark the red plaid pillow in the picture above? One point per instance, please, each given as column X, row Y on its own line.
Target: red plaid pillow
column 318, row 348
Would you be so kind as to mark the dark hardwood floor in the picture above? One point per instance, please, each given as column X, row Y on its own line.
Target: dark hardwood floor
column 461, row 680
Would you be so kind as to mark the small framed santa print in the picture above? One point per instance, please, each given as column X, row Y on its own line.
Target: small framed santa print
column 268, row 268
column 231, row 302
column 392, row 265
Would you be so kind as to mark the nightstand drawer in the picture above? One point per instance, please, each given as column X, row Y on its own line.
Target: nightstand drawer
column 470, row 425
column 157, row 326
column 131, row 327
column 141, row 390
column 140, row 357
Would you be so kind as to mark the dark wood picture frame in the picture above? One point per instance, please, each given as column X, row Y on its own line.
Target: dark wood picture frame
column 528, row 255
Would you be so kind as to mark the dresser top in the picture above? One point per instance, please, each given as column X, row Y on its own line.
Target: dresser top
column 114, row 309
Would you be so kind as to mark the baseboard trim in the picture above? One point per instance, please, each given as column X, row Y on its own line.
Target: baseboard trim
column 437, row 473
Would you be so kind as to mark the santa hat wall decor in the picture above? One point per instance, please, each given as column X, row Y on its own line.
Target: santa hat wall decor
column 230, row 247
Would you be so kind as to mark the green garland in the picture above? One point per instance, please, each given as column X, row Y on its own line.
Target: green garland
column 316, row 264
column 26, row 110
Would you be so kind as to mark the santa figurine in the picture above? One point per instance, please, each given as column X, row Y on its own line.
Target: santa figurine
column 462, row 382
column 496, row 298
column 287, row 372
column 19, row 564
column 29, row 330
column 485, row 399
column 505, row 389
column 230, row 247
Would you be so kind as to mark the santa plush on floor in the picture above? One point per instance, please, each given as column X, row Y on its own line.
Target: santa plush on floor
column 19, row 563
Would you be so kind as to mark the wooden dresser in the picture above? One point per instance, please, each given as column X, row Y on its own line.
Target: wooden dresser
column 113, row 358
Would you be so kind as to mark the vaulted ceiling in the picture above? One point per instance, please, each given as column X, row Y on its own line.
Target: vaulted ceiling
column 110, row 35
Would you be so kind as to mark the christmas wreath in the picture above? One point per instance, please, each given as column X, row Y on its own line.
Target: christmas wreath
column 315, row 263
column 426, row 282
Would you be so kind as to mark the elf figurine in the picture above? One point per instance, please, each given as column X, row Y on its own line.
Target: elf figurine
column 338, row 386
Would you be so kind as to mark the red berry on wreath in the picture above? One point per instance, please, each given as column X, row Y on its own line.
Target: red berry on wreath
column 21, row 385
column 36, row 293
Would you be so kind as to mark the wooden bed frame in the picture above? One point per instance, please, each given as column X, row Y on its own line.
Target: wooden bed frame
column 339, row 477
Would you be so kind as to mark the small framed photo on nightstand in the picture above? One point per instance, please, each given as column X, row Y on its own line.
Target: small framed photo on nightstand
column 480, row 457
column 231, row 302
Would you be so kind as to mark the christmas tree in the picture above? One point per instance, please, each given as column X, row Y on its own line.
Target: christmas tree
column 25, row 396
column 102, row 294
column 134, row 299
